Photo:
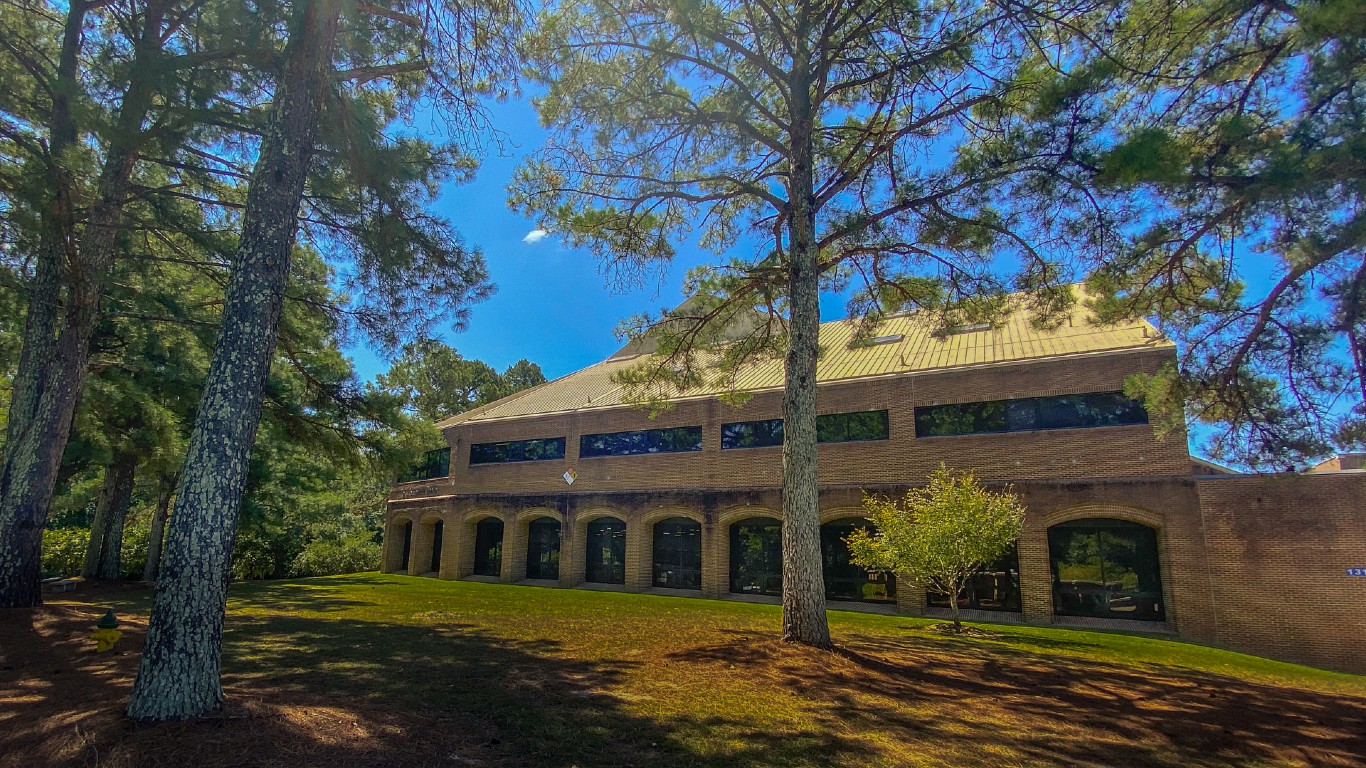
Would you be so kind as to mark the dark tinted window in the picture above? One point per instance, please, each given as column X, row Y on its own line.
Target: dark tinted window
column 677, row 554
column 434, row 464
column 993, row 588
column 606, row 551
column 1095, row 409
column 756, row 557
column 844, row 580
column 488, row 547
column 517, row 450
column 543, row 549
column 1107, row 569
column 673, row 440
column 752, row 434
column 830, row 428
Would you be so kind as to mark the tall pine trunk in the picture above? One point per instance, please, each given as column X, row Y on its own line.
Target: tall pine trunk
column 179, row 674
column 63, row 308
column 157, row 534
column 103, row 555
column 804, row 618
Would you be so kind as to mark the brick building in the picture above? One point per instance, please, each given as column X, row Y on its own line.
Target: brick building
column 565, row 484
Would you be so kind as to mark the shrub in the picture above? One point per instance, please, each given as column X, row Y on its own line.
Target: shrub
column 323, row 557
column 64, row 550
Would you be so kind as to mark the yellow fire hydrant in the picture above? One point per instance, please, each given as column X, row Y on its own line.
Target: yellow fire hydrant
column 106, row 632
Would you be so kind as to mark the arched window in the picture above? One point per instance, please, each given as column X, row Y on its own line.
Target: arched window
column 606, row 551
column 677, row 554
column 543, row 549
column 845, row 580
column 993, row 588
column 756, row 557
column 437, row 529
column 1106, row 569
column 488, row 547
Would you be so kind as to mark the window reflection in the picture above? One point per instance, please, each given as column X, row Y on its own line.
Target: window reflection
column 606, row 551
column 756, row 557
column 677, row 554
column 543, row 549
column 994, row 588
column 845, row 580
column 488, row 547
column 1107, row 569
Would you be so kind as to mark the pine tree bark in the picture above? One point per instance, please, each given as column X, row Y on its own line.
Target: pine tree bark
column 157, row 534
column 179, row 676
column 804, row 618
column 116, row 498
column 71, row 263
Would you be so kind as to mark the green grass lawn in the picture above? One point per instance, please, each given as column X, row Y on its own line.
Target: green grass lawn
column 447, row 673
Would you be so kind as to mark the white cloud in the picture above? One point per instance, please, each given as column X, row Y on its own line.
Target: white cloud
column 535, row 236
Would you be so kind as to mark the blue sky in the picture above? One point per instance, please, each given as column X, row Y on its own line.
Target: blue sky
column 553, row 306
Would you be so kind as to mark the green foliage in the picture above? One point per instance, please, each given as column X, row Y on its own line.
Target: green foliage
column 940, row 533
column 324, row 557
column 64, row 550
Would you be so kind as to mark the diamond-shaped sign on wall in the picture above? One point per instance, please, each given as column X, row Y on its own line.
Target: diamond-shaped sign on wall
column 570, row 476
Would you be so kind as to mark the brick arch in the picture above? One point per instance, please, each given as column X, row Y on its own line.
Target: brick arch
column 1034, row 545
column 464, row 550
column 573, row 558
column 527, row 515
column 1125, row 512
column 843, row 513
column 660, row 514
column 427, row 517
column 729, row 517
column 473, row 517
column 643, row 542
column 394, row 541
column 583, row 517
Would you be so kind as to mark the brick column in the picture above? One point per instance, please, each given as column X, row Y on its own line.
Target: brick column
column 514, row 550
column 420, row 559
column 715, row 559
column 1036, row 580
column 910, row 598
column 454, row 542
column 393, row 548
column 572, row 564
column 639, row 546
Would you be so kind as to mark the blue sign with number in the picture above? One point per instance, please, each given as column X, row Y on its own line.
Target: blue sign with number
column 1356, row 571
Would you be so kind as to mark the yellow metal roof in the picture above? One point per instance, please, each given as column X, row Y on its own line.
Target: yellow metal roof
column 919, row 349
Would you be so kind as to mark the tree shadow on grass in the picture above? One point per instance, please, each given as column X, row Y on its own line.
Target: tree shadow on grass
column 994, row 699
column 336, row 693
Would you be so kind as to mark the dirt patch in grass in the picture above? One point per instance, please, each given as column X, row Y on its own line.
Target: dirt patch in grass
column 697, row 686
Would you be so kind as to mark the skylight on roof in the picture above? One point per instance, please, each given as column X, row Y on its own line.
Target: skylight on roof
column 876, row 340
column 967, row 328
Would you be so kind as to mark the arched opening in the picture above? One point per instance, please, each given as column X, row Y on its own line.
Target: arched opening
column 677, row 554
column 995, row 587
column 488, row 547
column 1105, row 568
column 846, row 580
column 407, row 546
column 543, row 549
column 606, row 551
column 437, row 528
column 756, row 557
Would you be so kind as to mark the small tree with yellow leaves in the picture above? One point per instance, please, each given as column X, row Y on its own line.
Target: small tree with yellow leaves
column 940, row 534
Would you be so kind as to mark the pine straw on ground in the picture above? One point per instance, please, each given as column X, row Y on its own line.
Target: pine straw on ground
column 333, row 692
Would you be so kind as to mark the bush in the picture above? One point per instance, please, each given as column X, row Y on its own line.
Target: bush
column 323, row 557
column 64, row 550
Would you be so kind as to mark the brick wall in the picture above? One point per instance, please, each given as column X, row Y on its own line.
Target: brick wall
column 1279, row 547
column 1256, row 564
column 1069, row 453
